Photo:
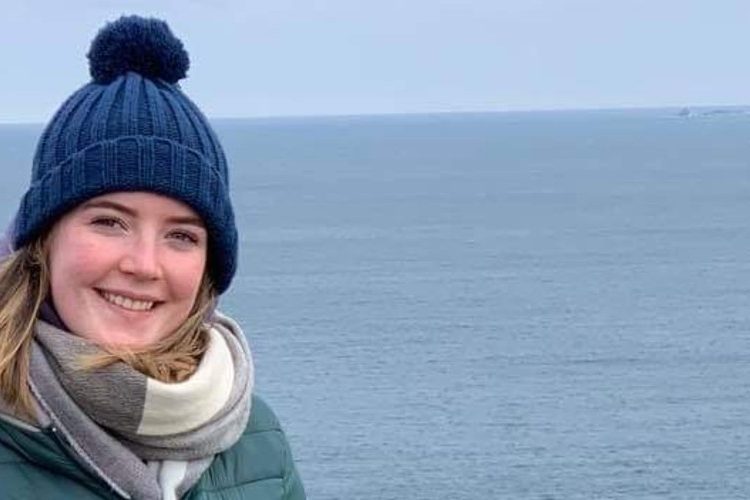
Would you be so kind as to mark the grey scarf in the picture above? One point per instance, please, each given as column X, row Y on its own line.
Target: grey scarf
column 133, row 430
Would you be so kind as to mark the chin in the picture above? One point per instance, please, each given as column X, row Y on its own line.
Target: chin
column 125, row 338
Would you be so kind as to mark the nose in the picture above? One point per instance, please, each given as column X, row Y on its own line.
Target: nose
column 141, row 259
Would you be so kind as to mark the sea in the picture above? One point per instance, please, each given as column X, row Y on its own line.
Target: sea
column 537, row 305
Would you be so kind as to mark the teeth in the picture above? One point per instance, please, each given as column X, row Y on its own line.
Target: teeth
column 126, row 303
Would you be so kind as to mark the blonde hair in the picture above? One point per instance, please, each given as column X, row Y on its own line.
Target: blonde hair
column 24, row 285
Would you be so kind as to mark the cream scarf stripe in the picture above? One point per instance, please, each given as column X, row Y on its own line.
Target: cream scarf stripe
column 171, row 474
column 181, row 407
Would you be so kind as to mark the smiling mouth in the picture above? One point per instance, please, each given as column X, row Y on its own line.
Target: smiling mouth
column 126, row 302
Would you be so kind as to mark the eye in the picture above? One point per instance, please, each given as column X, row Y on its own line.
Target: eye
column 185, row 237
column 108, row 222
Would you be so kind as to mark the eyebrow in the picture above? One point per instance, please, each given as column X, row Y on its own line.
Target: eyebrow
column 187, row 219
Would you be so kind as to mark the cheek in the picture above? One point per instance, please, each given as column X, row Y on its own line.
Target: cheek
column 76, row 261
column 185, row 277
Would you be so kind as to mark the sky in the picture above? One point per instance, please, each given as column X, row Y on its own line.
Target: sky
column 341, row 57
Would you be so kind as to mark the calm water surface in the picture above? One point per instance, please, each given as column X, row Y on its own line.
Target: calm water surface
column 539, row 305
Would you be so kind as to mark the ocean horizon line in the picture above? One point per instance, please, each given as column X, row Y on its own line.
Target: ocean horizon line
column 281, row 117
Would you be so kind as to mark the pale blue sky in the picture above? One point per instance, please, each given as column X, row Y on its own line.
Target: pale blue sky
column 284, row 57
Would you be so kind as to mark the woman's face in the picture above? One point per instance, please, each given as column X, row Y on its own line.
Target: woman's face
column 125, row 268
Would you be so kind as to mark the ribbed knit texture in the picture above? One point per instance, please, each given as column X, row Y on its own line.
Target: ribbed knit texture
column 132, row 134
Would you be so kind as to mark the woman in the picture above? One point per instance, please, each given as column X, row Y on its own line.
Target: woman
column 118, row 379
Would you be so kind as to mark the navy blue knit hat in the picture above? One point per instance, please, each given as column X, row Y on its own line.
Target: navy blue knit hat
column 132, row 129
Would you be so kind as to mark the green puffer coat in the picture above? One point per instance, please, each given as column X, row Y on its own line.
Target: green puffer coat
column 37, row 464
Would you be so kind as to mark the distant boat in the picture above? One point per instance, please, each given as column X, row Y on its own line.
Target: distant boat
column 684, row 112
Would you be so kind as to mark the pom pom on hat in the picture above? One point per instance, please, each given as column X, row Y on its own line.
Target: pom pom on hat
column 134, row 43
